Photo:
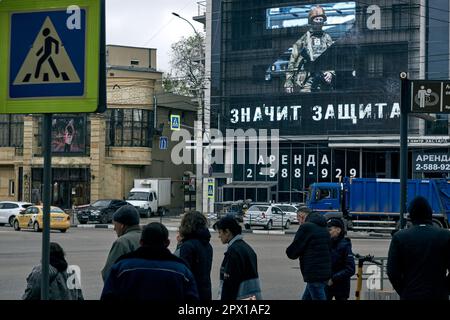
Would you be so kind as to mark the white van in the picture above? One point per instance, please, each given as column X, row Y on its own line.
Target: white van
column 150, row 196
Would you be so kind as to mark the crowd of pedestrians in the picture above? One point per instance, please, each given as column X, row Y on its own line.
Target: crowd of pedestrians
column 418, row 260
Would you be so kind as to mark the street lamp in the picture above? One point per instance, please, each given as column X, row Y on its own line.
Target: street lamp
column 178, row 16
column 199, row 138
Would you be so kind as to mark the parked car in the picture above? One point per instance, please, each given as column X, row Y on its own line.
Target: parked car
column 290, row 210
column 235, row 209
column 267, row 216
column 10, row 209
column 32, row 218
column 99, row 211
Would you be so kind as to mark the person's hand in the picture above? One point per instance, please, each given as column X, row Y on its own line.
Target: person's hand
column 289, row 89
column 328, row 76
column 330, row 283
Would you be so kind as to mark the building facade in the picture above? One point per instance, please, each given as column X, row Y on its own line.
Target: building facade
column 97, row 156
column 269, row 63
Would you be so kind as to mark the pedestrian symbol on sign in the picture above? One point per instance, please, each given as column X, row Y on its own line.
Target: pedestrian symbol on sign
column 175, row 122
column 47, row 60
column 211, row 188
column 163, row 143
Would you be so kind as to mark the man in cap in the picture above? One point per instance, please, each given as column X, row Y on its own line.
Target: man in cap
column 126, row 225
column 302, row 70
column 342, row 261
column 419, row 257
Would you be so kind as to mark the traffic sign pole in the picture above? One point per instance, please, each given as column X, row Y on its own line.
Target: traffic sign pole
column 403, row 146
column 46, row 135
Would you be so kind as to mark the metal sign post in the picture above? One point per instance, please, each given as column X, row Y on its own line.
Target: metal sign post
column 403, row 146
column 46, row 134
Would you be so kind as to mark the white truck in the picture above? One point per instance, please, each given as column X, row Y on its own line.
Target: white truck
column 151, row 196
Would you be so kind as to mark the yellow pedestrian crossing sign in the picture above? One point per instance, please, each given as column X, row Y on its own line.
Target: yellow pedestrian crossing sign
column 175, row 122
column 53, row 56
column 47, row 61
column 211, row 188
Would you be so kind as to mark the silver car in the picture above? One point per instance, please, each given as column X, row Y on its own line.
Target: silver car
column 9, row 210
column 267, row 216
column 290, row 210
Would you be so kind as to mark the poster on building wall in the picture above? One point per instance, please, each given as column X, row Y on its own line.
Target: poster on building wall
column 68, row 135
column 317, row 68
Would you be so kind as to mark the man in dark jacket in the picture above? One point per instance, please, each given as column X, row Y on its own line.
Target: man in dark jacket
column 151, row 272
column 342, row 261
column 126, row 225
column 311, row 246
column 239, row 269
column 419, row 257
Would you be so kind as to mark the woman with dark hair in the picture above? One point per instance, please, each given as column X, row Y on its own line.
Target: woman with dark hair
column 58, row 279
column 194, row 248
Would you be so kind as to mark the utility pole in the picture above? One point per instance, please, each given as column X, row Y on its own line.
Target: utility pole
column 198, row 132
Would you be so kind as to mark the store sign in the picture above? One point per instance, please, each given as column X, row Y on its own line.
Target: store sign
column 431, row 162
column 428, row 140
column 298, row 167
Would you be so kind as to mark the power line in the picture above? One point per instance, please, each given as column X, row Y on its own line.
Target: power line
column 165, row 25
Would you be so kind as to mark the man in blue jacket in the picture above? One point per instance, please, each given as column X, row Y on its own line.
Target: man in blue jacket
column 311, row 246
column 151, row 272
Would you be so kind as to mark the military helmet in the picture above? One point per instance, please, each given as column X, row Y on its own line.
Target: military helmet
column 316, row 11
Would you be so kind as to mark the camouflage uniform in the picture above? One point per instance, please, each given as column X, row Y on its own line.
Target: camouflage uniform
column 305, row 51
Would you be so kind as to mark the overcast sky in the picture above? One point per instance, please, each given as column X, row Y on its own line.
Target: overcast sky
column 150, row 24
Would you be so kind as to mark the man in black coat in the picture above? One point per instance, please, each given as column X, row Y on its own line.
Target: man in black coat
column 239, row 269
column 311, row 246
column 342, row 261
column 419, row 257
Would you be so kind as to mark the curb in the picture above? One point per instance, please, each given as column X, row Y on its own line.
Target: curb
column 266, row 232
column 93, row 226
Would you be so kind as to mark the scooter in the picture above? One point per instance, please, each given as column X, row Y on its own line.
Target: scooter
column 359, row 274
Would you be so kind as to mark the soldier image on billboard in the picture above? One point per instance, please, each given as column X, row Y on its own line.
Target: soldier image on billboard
column 301, row 71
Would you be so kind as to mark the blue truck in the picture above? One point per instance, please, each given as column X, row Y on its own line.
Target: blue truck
column 373, row 204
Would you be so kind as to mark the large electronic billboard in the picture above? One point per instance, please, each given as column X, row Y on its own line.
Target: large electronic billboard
column 312, row 68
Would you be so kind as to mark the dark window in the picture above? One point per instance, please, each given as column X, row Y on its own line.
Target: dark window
column 438, row 127
column 262, row 195
column 11, row 130
column 375, row 65
column 128, row 128
column 400, row 16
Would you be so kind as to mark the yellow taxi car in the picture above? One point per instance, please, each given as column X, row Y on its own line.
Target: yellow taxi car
column 32, row 218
